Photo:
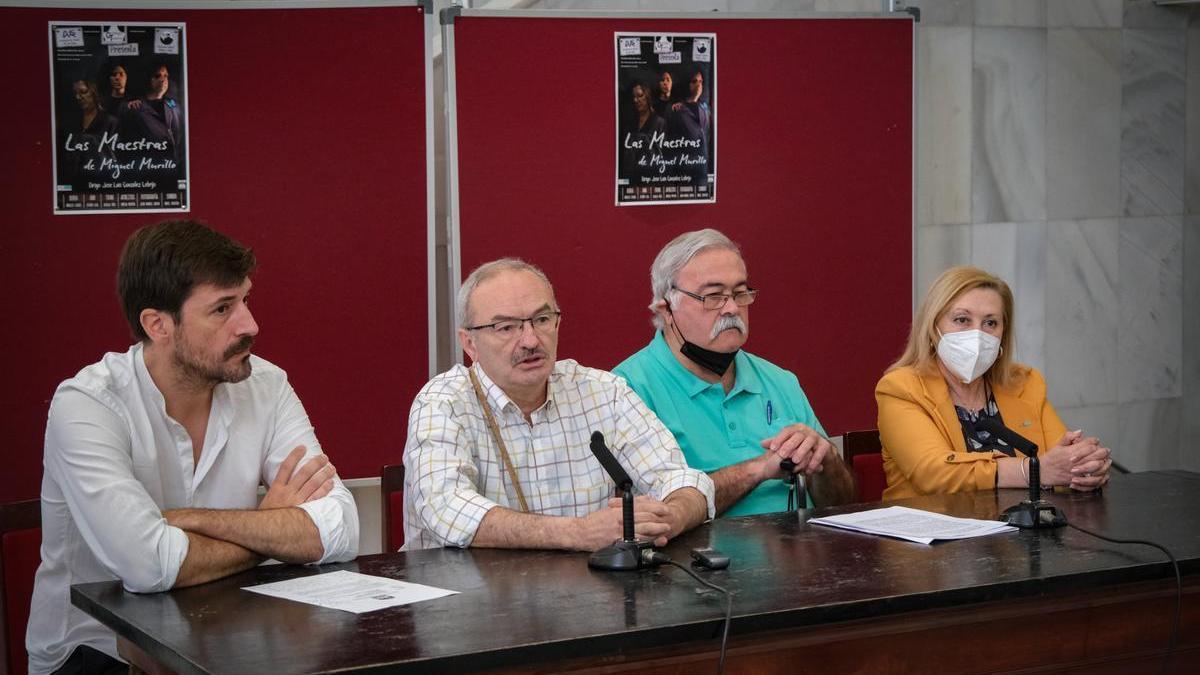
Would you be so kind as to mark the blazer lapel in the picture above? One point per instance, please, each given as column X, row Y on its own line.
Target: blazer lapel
column 942, row 407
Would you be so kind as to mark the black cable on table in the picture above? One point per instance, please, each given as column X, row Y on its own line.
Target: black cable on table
column 662, row 559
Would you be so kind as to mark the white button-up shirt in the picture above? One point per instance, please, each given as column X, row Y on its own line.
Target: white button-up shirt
column 114, row 461
column 454, row 473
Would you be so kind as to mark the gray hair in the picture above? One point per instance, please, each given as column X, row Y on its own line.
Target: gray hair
column 487, row 271
column 672, row 259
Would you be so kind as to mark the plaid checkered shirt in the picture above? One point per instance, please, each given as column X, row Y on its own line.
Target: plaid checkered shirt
column 454, row 473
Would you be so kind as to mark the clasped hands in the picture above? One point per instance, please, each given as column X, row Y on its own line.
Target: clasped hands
column 1076, row 461
column 802, row 444
column 653, row 520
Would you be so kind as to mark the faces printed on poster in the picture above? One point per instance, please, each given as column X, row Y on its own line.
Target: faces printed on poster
column 696, row 86
column 86, row 96
column 118, row 78
column 641, row 100
column 160, row 79
column 666, row 111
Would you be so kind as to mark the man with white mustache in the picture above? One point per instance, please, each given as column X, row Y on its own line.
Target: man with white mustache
column 498, row 453
column 736, row 416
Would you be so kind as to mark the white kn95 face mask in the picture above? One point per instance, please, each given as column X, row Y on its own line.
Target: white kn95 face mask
column 968, row 353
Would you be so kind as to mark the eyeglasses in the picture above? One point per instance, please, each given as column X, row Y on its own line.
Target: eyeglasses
column 545, row 323
column 717, row 300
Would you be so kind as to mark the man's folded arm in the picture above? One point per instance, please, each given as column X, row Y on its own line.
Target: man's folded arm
column 88, row 456
column 290, row 525
column 335, row 515
column 209, row 559
column 287, row 534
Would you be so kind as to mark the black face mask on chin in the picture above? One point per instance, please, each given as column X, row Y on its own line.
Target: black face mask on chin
column 714, row 362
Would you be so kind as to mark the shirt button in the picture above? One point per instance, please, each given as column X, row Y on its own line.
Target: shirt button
column 732, row 426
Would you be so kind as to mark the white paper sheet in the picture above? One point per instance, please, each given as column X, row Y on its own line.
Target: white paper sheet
column 350, row 591
column 923, row 527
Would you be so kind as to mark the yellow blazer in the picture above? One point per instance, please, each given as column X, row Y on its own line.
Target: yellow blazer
column 923, row 447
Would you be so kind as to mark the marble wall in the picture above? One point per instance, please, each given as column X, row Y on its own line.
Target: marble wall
column 1058, row 145
column 1081, row 191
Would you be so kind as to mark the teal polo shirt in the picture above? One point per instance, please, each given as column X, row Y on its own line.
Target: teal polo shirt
column 716, row 429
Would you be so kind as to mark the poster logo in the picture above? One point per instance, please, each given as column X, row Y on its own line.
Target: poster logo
column 701, row 50
column 166, row 41
column 672, row 57
column 663, row 44
column 123, row 50
column 68, row 37
column 631, row 46
column 113, row 35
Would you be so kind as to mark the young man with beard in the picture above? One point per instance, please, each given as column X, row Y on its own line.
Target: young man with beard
column 154, row 456
column 736, row 416
column 498, row 453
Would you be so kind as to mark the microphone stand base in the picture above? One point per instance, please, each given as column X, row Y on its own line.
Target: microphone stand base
column 1034, row 515
column 621, row 555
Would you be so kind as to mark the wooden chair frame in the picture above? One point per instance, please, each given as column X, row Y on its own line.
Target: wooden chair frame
column 855, row 443
column 19, row 515
column 391, row 479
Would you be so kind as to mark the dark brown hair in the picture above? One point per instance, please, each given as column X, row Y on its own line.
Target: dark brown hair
column 161, row 264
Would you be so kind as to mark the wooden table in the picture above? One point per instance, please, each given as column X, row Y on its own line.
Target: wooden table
column 806, row 598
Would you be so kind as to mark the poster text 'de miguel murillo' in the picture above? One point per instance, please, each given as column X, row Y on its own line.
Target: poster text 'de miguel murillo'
column 666, row 103
column 118, row 95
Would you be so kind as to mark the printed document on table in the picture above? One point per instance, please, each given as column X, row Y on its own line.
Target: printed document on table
column 923, row 527
column 350, row 591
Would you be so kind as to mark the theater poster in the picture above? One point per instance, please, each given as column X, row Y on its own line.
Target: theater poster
column 666, row 118
column 118, row 95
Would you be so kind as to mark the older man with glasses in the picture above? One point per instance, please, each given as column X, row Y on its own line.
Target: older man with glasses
column 736, row 416
column 498, row 453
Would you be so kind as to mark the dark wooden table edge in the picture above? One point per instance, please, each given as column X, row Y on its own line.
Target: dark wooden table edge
column 706, row 651
column 689, row 636
column 134, row 634
column 705, row 630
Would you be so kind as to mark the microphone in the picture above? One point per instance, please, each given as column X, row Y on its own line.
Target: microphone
column 789, row 466
column 1034, row 512
column 795, row 483
column 610, row 463
column 626, row 553
column 1015, row 440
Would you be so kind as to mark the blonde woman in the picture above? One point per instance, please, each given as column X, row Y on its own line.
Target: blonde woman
column 956, row 370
